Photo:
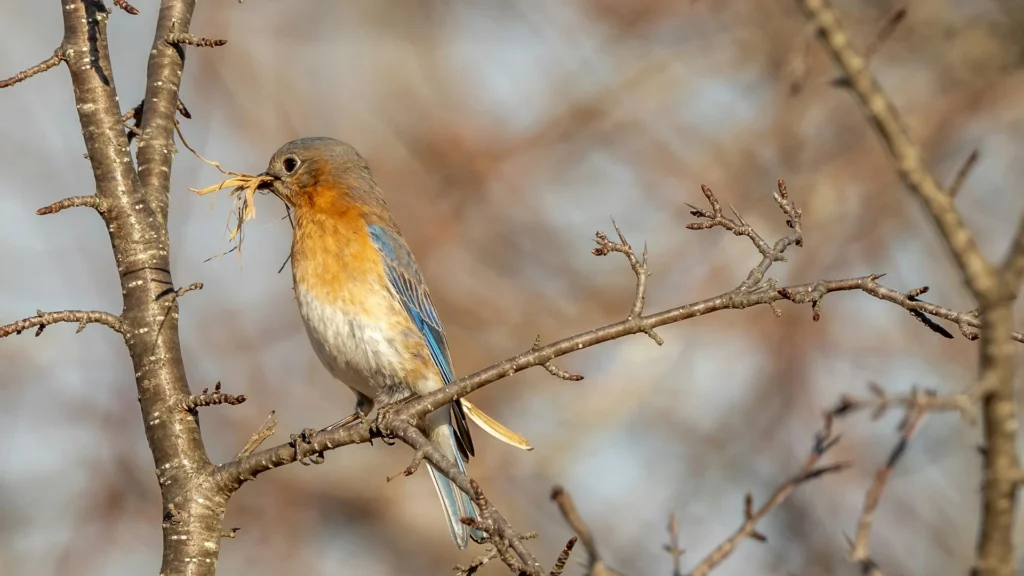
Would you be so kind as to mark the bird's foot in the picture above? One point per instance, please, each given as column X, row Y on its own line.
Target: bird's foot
column 303, row 448
column 380, row 426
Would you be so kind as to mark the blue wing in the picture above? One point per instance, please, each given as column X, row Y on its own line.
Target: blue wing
column 404, row 276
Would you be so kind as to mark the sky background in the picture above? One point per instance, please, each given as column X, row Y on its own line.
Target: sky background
column 504, row 134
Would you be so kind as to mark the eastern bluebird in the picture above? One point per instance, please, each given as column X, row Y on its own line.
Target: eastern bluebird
column 362, row 299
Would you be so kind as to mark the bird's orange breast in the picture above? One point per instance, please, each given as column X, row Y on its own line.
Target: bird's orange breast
column 333, row 257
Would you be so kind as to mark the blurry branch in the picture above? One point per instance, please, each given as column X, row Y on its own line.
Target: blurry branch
column 918, row 407
column 52, row 61
column 994, row 287
column 880, row 402
column 595, row 565
column 207, row 398
column 81, row 317
column 963, row 173
column 673, row 547
column 123, row 5
column 824, row 440
column 563, row 558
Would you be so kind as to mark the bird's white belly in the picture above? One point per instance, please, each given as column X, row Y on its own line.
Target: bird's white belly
column 361, row 354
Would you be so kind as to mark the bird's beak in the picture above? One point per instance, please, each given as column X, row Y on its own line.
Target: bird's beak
column 269, row 183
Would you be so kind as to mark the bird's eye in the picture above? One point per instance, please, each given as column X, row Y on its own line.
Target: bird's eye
column 290, row 164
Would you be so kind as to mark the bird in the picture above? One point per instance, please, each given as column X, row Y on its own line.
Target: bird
column 365, row 305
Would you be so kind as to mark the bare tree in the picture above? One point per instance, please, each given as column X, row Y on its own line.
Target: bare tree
column 132, row 196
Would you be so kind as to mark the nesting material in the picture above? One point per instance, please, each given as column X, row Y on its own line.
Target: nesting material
column 243, row 189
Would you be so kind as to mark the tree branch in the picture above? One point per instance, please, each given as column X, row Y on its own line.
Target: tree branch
column 595, row 565
column 81, row 317
column 994, row 288
column 163, row 80
column 52, row 61
column 91, row 201
column 215, row 398
column 193, row 507
column 823, row 442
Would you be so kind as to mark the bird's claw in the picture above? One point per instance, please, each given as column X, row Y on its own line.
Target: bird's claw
column 383, row 415
column 302, row 439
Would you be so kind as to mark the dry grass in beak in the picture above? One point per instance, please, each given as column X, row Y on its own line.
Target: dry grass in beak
column 243, row 189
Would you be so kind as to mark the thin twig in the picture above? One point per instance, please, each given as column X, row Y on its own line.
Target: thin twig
column 966, row 404
column 673, row 547
column 595, row 565
column 123, row 5
column 555, row 370
column 823, row 441
column 207, row 398
column 81, row 317
column 639, row 266
column 90, row 201
column 563, row 558
column 57, row 58
column 859, row 552
column 770, row 254
column 962, row 174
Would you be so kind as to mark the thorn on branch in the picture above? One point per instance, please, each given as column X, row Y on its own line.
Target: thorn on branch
column 207, row 398
column 52, row 61
column 183, row 110
column 81, row 317
column 192, row 40
column 123, row 5
column 91, row 201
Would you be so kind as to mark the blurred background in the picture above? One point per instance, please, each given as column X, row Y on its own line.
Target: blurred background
column 504, row 135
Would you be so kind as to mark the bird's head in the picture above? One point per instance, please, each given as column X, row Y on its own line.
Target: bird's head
column 318, row 172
